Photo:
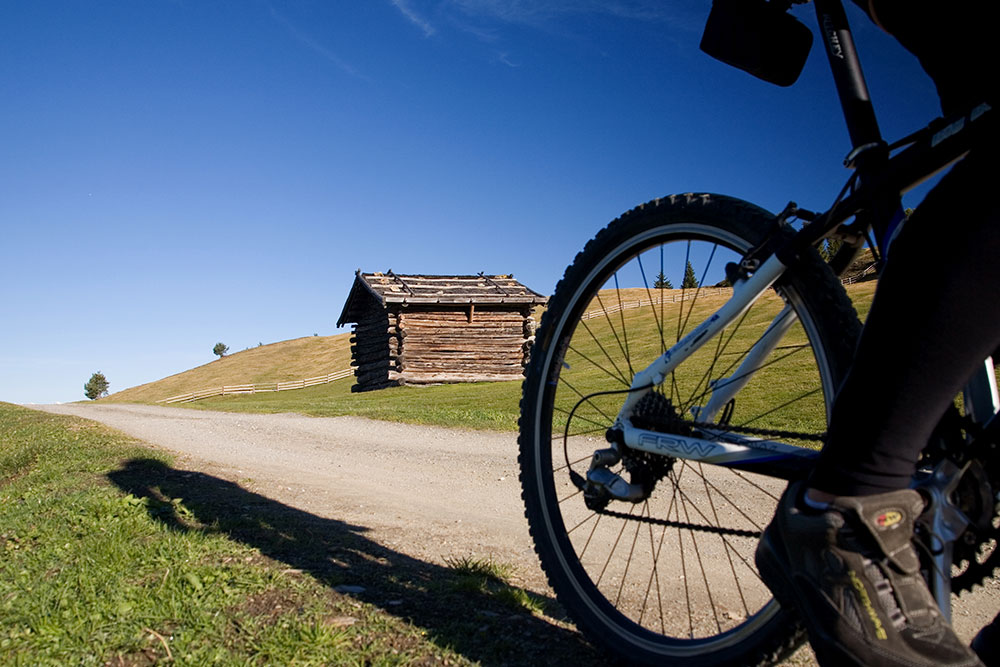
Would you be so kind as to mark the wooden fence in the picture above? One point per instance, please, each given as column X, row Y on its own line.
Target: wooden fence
column 871, row 268
column 676, row 296
column 669, row 296
column 258, row 388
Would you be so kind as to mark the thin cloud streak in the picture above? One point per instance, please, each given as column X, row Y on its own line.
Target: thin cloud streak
column 404, row 7
column 535, row 12
column 482, row 18
column 315, row 46
column 504, row 58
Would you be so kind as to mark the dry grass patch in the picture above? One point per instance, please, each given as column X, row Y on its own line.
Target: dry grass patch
column 295, row 359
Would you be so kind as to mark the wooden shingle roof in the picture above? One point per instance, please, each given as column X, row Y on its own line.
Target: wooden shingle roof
column 389, row 288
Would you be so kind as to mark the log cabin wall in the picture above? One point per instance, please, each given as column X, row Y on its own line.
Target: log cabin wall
column 445, row 346
column 438, row 329
column 375, row 349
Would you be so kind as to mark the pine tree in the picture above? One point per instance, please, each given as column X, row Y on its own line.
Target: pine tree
column 690, row 281
column 662, row 282
column 96, row 386
column 829, row 248
column 220, row 349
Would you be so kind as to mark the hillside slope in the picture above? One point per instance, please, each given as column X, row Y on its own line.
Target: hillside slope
column 288, row 360
column 313, row 356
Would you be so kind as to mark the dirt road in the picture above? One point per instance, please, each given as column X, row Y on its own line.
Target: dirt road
column 431, row 493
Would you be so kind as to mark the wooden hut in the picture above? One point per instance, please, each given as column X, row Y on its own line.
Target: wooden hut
column 417, row 329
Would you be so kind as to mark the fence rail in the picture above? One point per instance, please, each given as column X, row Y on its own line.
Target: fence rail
column 675, row 297
column 685, row 295
column 688, row 295
column 260, row 388
column 871, row 268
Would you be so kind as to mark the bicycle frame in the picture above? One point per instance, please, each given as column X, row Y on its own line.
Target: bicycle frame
column 873, row 200
column 881, row 179
column 932, row 152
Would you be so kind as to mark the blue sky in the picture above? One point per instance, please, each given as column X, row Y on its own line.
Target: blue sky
column 174, row 173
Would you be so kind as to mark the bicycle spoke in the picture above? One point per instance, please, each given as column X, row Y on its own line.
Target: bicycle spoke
column 704, row 575
column 614, row 331
column 576, row 492
column 729, row 556
column 653, row 304
column 684, row 575
column 679, row 563
column 580, row 394
column 628, row 563
column 727, row 499
column 781, row 407
column 611, row 554
column 654, row 574
column 621, row 316
column 617, row 375
column 697, row 290
column 570, row 464
column 710, row 371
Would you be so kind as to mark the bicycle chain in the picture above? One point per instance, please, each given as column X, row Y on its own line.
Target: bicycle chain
column 751, row 430
column 716, row 530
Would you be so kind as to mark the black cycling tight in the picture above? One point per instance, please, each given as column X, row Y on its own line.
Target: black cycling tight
column 935, row 317
column 936, row 313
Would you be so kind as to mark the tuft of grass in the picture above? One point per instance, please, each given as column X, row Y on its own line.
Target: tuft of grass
column 491, row 577
column 518, row 598
column 483, row 568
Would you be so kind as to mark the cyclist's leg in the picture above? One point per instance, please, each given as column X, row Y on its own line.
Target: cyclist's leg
column 936, row 314
column 851, row 570
column 935, row 317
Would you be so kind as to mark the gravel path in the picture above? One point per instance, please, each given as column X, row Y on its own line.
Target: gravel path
column 428, row 492
column 431, row 493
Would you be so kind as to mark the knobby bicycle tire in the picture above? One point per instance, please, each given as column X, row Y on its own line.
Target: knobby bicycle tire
column 671, row 578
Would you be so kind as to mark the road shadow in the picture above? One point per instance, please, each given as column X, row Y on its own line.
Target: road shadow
column 477, row 624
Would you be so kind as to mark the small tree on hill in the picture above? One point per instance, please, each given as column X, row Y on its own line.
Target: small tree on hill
column 829, row 248
column 690, row 280
column 96, row 386
column 220, row 349
column 662, row 282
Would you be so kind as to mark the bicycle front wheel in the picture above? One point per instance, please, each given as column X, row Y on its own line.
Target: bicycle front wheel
column 672, row 577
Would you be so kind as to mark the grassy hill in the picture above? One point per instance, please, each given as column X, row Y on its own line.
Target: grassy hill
column 492, row 405
column 277, row 362
column 114, row 554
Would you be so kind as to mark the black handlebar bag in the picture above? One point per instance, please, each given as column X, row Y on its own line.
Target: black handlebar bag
column 758, row 37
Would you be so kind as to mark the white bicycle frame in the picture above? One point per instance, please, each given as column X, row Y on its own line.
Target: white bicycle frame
column 716, row 451
column 981, row 397
column 946, row 522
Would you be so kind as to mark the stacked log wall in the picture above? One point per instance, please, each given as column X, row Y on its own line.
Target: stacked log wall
column 477, row 344
column 375, row 350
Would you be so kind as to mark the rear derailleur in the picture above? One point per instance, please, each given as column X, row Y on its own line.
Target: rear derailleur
column 602, row 485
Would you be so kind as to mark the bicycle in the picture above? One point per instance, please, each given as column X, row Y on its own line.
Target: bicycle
column 656, row 438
